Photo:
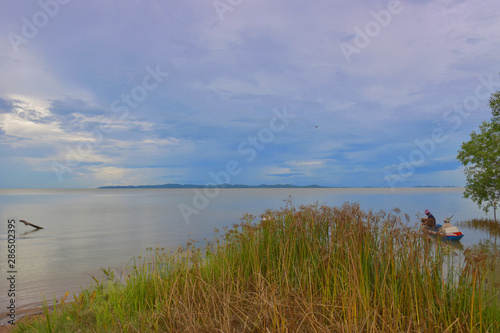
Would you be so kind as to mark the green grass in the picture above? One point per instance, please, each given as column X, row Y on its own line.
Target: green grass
column 299, row 269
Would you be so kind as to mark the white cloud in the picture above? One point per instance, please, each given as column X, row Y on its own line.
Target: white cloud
column 161, row 142
column 108, row 173
column 32, row 123
column 226, row 77
column 306, row 164
column 27, row 74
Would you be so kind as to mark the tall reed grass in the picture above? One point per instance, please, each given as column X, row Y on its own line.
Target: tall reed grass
column 298, row 269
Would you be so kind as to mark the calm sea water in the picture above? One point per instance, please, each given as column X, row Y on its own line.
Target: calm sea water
column 86, row 229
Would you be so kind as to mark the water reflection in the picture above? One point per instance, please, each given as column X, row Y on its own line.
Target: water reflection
column 488, row 225
column 454, row 244
column 487, row 246
column 23, row 235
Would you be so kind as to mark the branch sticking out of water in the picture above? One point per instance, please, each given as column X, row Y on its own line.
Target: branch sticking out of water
column 30, row 224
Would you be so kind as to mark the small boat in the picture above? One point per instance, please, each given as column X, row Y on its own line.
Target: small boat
column 451, row 233
column 445, row 231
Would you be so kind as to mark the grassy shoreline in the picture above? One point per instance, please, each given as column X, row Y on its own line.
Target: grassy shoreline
column 300, row 269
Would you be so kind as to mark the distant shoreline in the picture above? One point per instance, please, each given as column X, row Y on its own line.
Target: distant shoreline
column 212, row 186
column 241, row 186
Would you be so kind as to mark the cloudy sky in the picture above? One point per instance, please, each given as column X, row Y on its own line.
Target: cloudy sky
column 329, row 92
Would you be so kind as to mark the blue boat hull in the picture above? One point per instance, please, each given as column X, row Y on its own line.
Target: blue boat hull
column 435, row 233
column 453, row 238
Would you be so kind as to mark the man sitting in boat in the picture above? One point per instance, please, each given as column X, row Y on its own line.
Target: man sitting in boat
column 448, row 228
column 447, row 223
column 429, row 221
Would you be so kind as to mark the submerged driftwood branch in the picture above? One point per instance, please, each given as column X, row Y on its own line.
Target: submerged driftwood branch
column 30, row 224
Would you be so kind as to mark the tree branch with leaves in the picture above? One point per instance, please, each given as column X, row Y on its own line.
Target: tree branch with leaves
column 481, row 159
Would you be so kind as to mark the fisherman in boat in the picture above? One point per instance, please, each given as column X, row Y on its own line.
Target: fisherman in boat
column 447, row 223
column 429, row 221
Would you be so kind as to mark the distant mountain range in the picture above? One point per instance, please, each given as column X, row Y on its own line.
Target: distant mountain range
column 240, row 186
column 213, row 186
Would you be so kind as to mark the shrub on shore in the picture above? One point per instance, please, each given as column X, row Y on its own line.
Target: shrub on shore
column 307, row 269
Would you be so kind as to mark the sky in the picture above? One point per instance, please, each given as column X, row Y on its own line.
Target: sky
column 329, row 92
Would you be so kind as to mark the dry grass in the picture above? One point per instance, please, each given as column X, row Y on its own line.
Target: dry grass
column 307, row 269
